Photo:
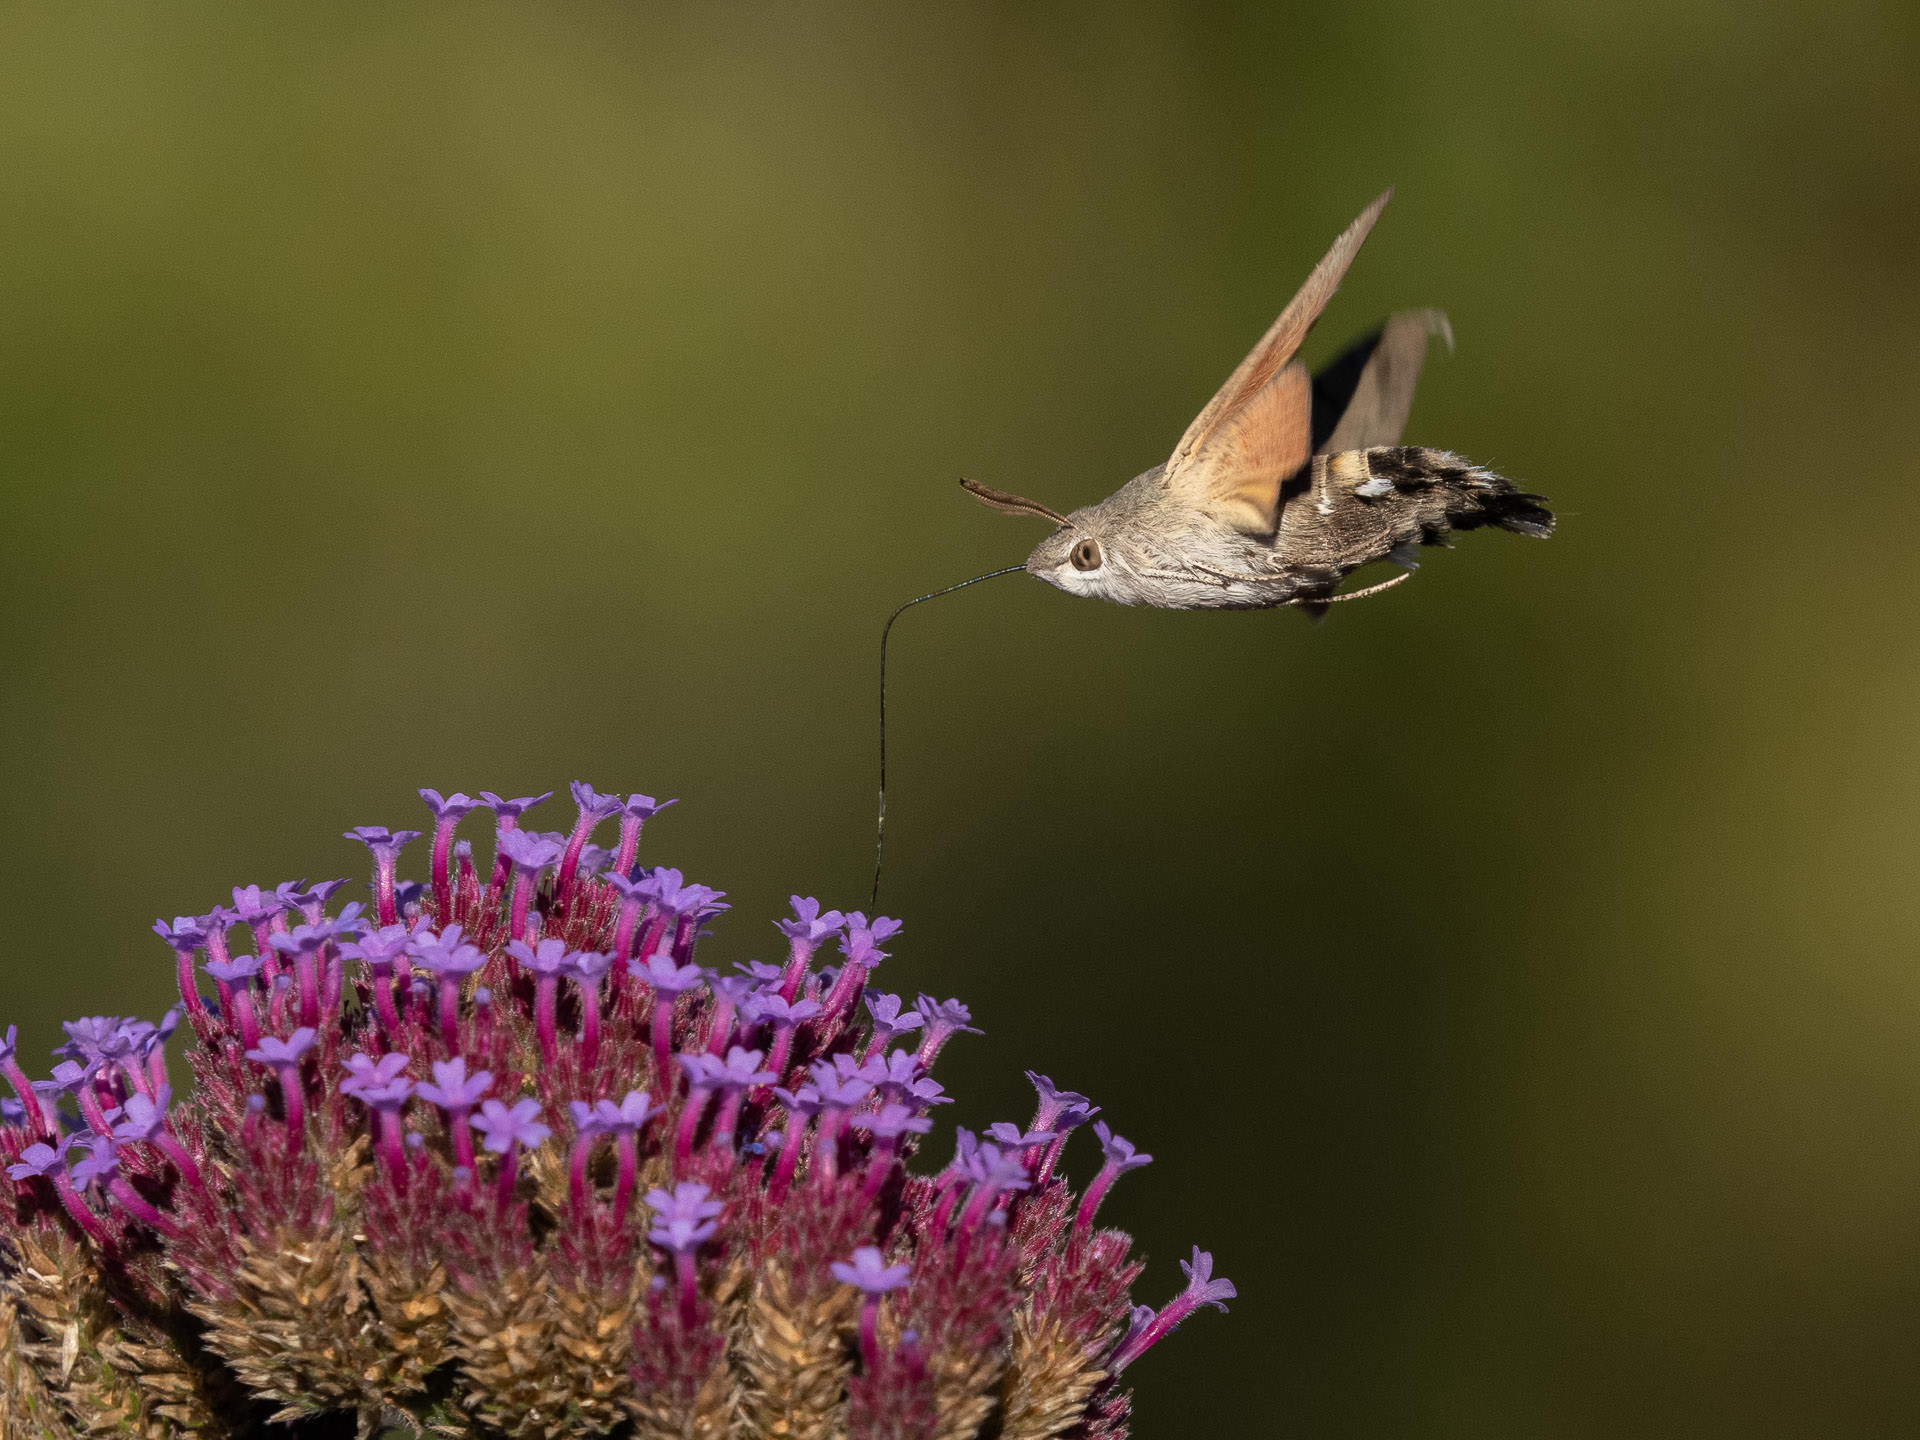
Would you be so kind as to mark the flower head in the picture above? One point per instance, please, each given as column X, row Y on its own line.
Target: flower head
column 380, row 1083
column 452, row 1088
column 99, row 1160
column 592, row 803
column 505, row 1126
column 529, row 849
column 512, row 809
column 308, row 1069
column 37, row 1159
column 606, row 1118
column 869, row 1273
column 549, row 957
column 454, row 806
column 809, row 923
column 288, row 1051
column 380, row 840
column 144, row 1117
column 664, row 976
column 684, row 1220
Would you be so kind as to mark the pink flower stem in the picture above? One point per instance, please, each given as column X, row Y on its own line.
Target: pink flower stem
column 78, row 1209
column 137, row 1076
column 461, row 1130
column 589, row 1022
column 976, row 1210
column 1156, row 1330
column 545, row 991
column 263, row 934
column 502, row 866
column 663, row 1039
column 335, row 983
column 728, row 1117
column 243, row 1012
column 170, row 1146
column 393, row 1149
column 383, row 898
column 879, row 1165
column 799, row 957
column 29, row 1097
column 782, row 1047
column 629, row 1169
column 523, row 882
column 720, row 1026
column 577, row 1176
column 789, row 1158
column 383, row 1005
column 1090, row 1202
column 509, row 1176
column 689, row 1289
column 686, row 930
column 629, row 844
column 570, row 859
column 870, row 1332
column 690, row 1114
column 943, row 1212
column 650, row 936
column 630, row 910
column 826, row 1145
column 293, row 1101
column 88, row 1098
column 443, row 829
column 306, row 974
column 189, row 994
column 846, row 990
column 137, row 1205
column 450, row 1012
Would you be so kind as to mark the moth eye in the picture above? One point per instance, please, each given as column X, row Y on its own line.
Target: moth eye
column 1086, row 555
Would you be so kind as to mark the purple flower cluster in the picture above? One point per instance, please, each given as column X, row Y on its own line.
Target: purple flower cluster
column 652, row 1137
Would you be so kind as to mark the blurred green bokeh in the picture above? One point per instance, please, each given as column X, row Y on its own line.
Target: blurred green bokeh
column 1516, row 977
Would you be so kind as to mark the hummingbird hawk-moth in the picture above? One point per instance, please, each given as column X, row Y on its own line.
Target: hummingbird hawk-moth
column 1286, row 482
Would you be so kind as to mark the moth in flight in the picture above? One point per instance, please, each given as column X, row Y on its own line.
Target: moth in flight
column 1286, row 482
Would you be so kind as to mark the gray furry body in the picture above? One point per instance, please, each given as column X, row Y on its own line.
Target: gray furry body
column 1345, row 511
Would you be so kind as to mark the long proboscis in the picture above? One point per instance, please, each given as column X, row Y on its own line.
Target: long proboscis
column 880, row 824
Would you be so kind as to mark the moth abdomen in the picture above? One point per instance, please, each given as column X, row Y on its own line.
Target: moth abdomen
column 1360, row 506
column 1445, row 491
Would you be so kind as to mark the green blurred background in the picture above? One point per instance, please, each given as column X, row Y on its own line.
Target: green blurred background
column 1516, row 976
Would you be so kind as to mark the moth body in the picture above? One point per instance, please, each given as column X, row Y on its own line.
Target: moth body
column 1285, row 483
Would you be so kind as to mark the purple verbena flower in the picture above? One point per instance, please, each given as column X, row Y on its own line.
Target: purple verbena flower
column 872, row 1277
column 944, row 1019
column 386, row 846
column 1202, row 1289
column 822, row 1173
column 506, row 810
column 452, row 1088
column 869, row 1273
column 36, row 1159
column 505, row 1126
column 457, row 804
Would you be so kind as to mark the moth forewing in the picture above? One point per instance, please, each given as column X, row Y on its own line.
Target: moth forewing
column 1282, row 339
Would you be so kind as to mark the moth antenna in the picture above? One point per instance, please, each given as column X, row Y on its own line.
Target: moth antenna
column 880, row 825
column 1010, row 504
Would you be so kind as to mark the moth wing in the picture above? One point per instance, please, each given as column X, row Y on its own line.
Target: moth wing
column 1362, row 399
column 1238, row 476
column 1257, row 430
